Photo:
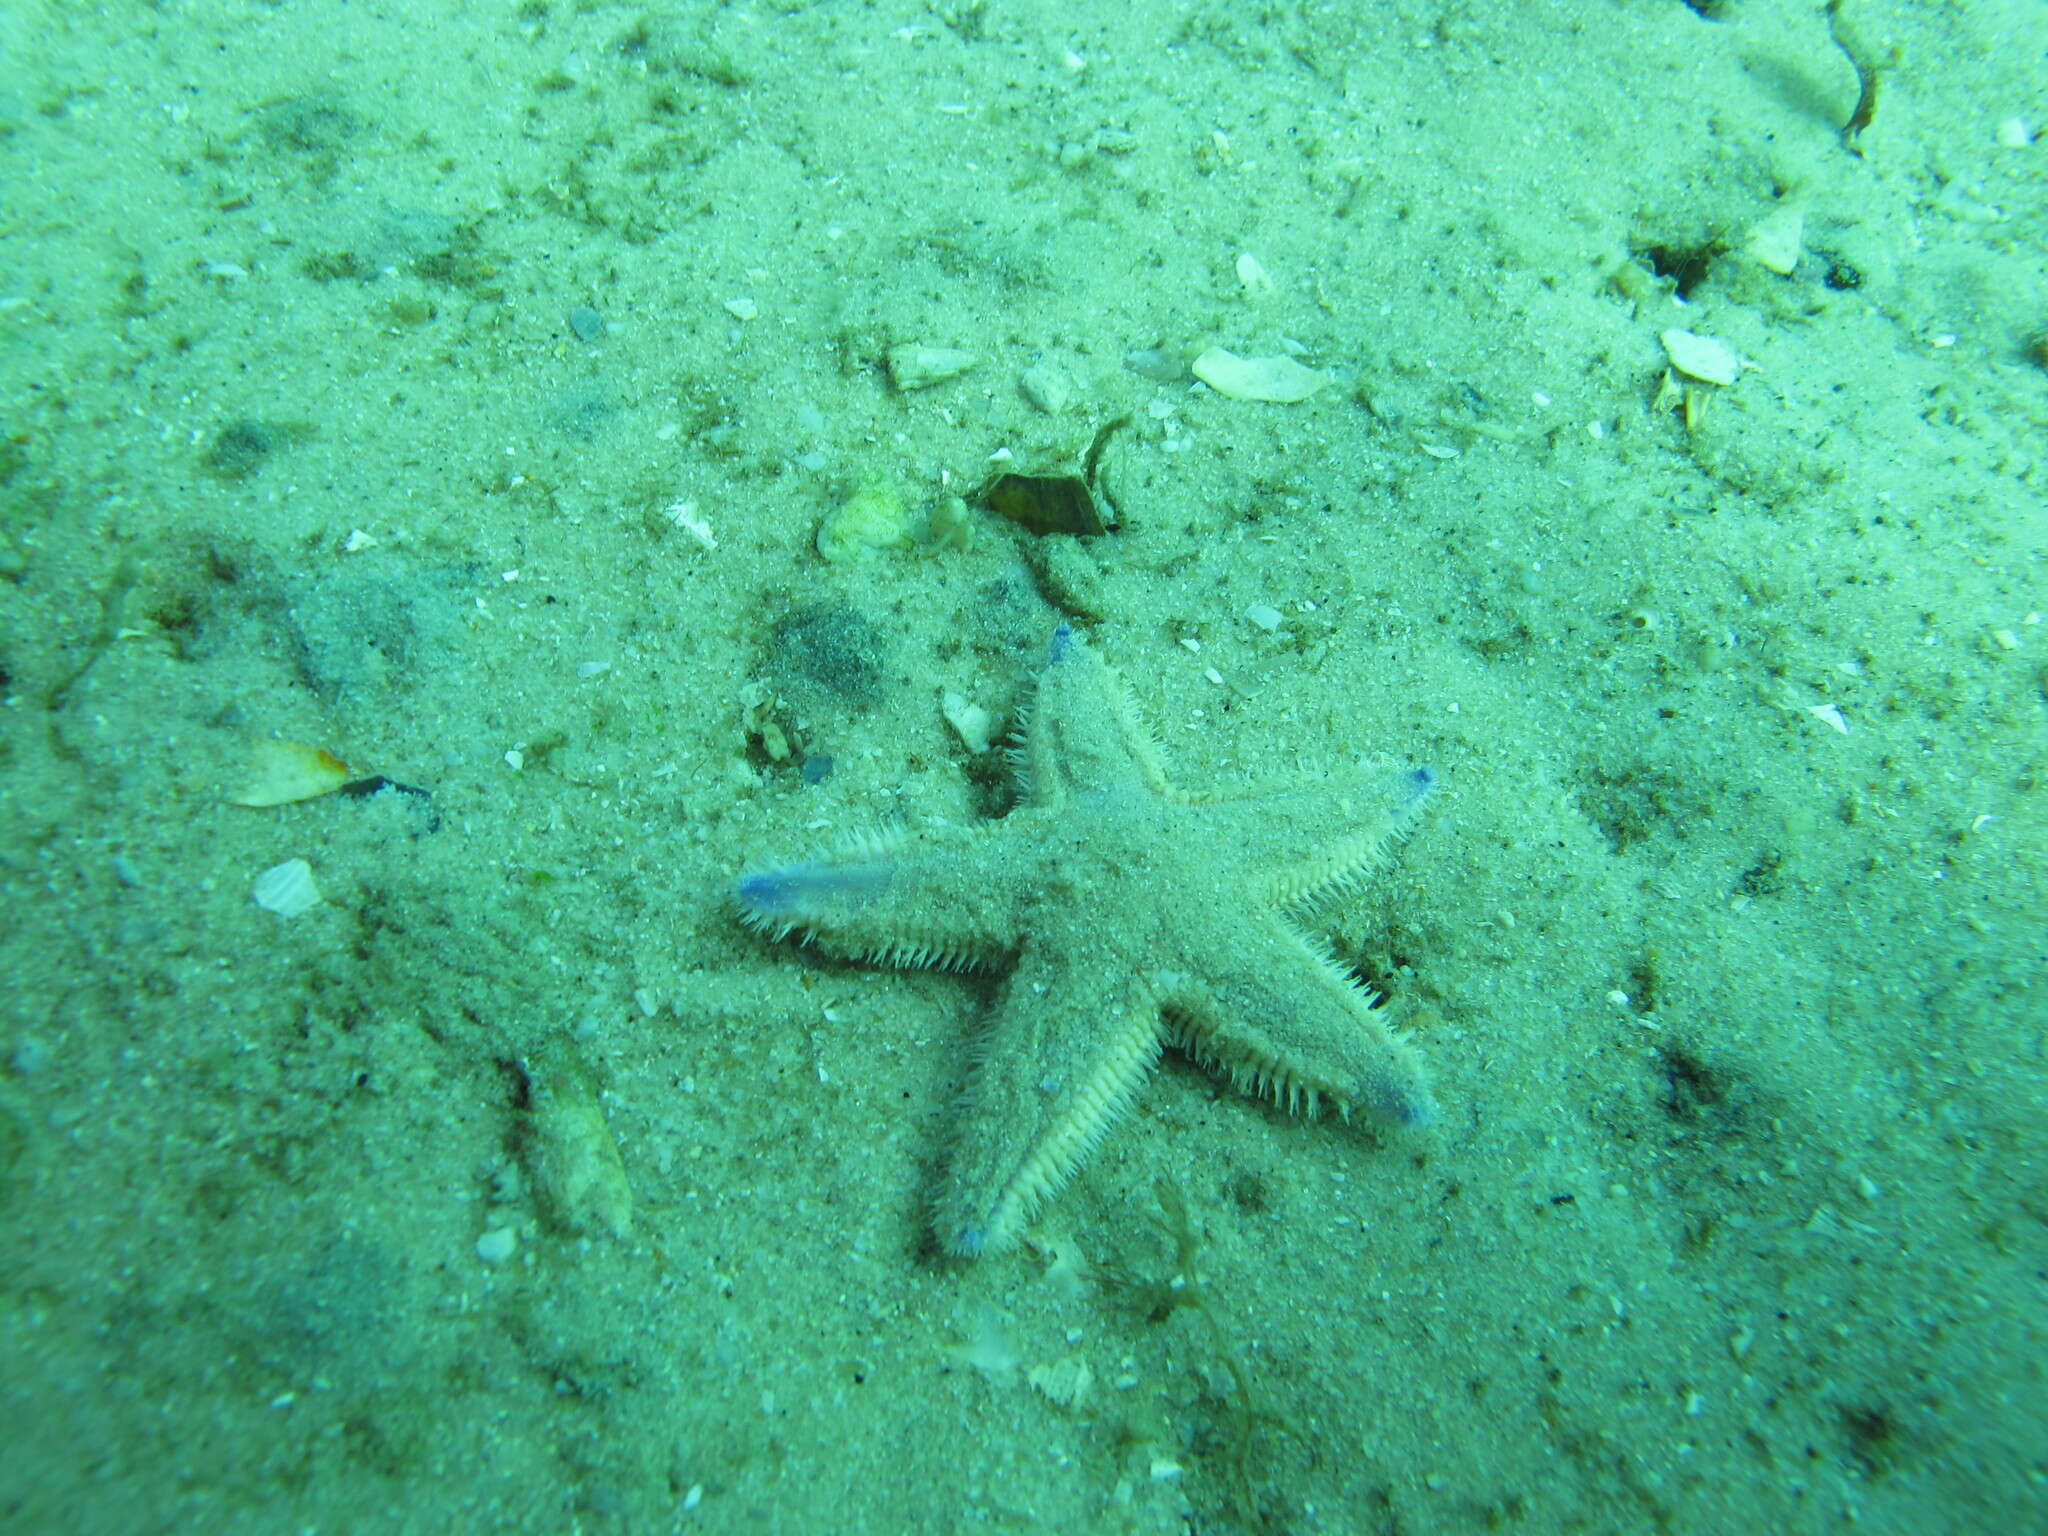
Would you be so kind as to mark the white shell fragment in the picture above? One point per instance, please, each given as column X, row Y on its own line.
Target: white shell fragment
column 286, row 889
column 1253, row 274
column 1279, row 380
column 1065, row 1381
column 918, row 367
column 1776, row 239
column 281, row 772
column 1705, row 358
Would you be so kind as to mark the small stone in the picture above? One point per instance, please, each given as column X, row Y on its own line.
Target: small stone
column 497, row 1245
column 970, row 722
column 1265, row 616
column 742, row 308
column 1775, row 242
column 586, row 322
column 873, row 518
column 1047, row 387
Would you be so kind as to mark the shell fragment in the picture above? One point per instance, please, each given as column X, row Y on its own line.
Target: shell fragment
column 1278, row 380
column 286, row 889
column 569, row 1149
column 1706, row 358
column 920, row 367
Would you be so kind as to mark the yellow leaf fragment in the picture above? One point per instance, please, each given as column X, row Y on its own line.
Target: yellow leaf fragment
column 281, row 772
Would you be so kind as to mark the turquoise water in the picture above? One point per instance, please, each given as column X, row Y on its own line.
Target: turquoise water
column 461, row 391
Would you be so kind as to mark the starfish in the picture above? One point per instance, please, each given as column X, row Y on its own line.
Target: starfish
column 1128, row 916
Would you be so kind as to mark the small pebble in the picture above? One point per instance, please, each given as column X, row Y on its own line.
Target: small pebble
column 497, row 1245
column 1047, row 387
column 586, row 322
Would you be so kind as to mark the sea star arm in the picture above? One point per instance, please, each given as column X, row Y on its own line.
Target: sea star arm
column 1285, row 1022
column 1060, row 1059
column 937, row 900
column 1081, row 735
column 1320, row 841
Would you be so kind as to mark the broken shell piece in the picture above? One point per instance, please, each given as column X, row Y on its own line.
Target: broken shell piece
column 1776, row 240
column 918, row 367
column 1045, row 503
column 281, row 772
column 1279, row 380
column 286, row 889
column 1706, row 358
column 1065, row 1381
